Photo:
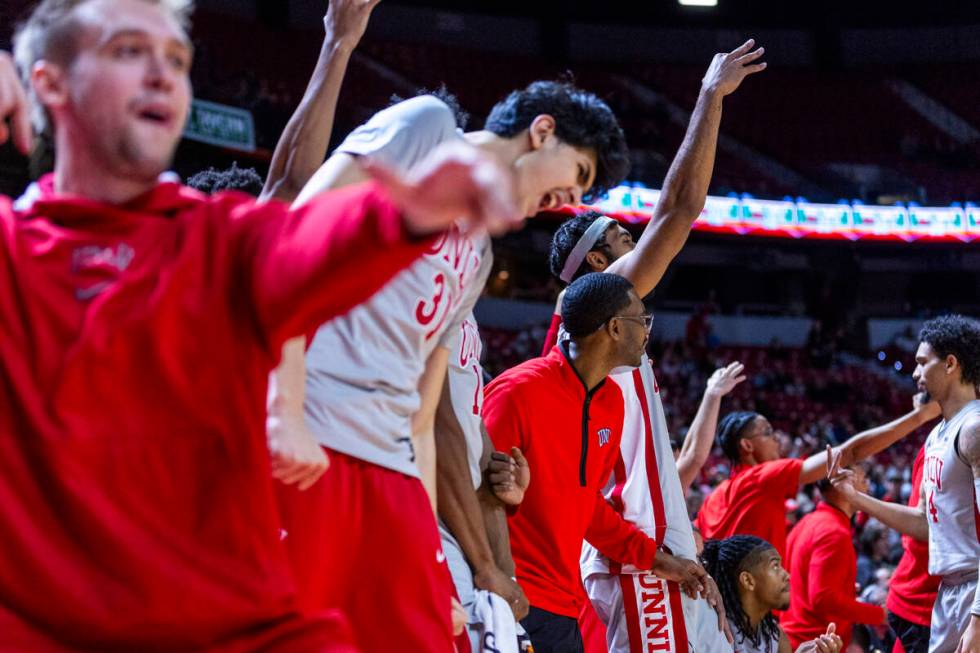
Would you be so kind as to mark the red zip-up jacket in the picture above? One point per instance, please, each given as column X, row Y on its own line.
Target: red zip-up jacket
column 571, row 438
column 136, row 503
column 912, row 591
column 823, row 569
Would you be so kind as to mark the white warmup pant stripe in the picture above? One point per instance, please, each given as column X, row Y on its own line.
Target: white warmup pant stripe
column 654, row 614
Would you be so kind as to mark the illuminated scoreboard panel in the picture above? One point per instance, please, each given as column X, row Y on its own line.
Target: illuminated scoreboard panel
column 802, row 219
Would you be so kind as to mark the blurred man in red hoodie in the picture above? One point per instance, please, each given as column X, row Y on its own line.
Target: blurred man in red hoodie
column 823, row 570
column 138, row 323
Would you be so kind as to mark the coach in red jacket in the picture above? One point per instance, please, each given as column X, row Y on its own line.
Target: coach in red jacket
column 567, row 417
column 823, row 568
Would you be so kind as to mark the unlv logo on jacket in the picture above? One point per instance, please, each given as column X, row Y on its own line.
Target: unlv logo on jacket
column 604, row 436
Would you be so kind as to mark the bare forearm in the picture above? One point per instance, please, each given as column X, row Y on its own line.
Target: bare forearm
column 868, row 443
column 495, row 522
column 288, row 389
column 424, row 444
column 700, row 437
column 905, row 520
column 459, row 508
column 681, row 201
column 303, row 144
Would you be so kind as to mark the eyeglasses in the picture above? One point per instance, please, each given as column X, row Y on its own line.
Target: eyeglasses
column 647, row 319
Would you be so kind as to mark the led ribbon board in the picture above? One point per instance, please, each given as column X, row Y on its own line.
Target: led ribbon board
column 786, row 219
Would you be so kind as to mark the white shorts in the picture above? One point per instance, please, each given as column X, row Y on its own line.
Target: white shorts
column 951, row 613
column 646, row 613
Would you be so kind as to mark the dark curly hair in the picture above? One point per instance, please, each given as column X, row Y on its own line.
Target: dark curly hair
column 567, row 237
column 210, row 181
column 442, row 93
column 725, row 560
column 730, row 430
column 957, row 335
column 592, row 300
column 581, row 120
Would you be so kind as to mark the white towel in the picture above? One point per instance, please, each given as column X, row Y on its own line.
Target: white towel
column 497, row 630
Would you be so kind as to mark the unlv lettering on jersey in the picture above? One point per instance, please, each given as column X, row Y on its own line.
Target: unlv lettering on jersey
column 459, row 252
column 471, row 347
column 933, row 470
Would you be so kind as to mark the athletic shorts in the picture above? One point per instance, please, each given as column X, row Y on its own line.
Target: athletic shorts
column 364, row 539
column 462, row 577
column 645, row 613
column 951, row 613
column 913, row 638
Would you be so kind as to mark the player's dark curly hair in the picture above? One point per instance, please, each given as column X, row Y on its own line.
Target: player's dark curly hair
column 581, row 120
column 592, row 300
column 210, row 181
column 450, row 100
column 730, row 431
column 957, row 335
column 725, row 560
column 567, row 237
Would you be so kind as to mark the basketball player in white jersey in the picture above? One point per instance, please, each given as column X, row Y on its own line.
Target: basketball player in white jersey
column 639, row 610
column 948, row 369
column 367, row 529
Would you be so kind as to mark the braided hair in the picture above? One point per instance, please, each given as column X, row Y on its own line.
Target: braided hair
column 725, row 560
column 730, row 430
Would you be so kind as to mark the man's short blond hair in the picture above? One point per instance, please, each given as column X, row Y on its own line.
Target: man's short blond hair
column 50, row 33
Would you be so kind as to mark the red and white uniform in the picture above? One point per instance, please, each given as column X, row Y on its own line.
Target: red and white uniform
column 912, row 591
column 954, row 529
column 366, row 529
column 137, row 511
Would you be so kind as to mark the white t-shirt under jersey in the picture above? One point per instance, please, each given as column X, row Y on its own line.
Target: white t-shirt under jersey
column 363, row 368
column 466, row 390
column 951, row 507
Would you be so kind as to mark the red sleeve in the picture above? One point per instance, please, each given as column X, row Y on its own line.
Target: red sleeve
column 832, row 591
column 304, row 267
column 782, row 476
column 504, row 417
column 551, row 339
column 617, row 539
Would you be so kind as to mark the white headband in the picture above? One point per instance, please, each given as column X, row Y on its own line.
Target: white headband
column 584, row 246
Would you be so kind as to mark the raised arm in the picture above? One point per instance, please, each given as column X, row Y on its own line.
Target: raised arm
column 868, row 443
column 686, row 184
column 303, row 144
column 701, row 435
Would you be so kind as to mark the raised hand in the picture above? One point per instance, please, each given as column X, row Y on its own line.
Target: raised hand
column 346, row 20
column 509, row 476
column 14, row 107
column 926, row 406
column 728, row 69
column 456, row 181
column 725, row 379
column 829, row 642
